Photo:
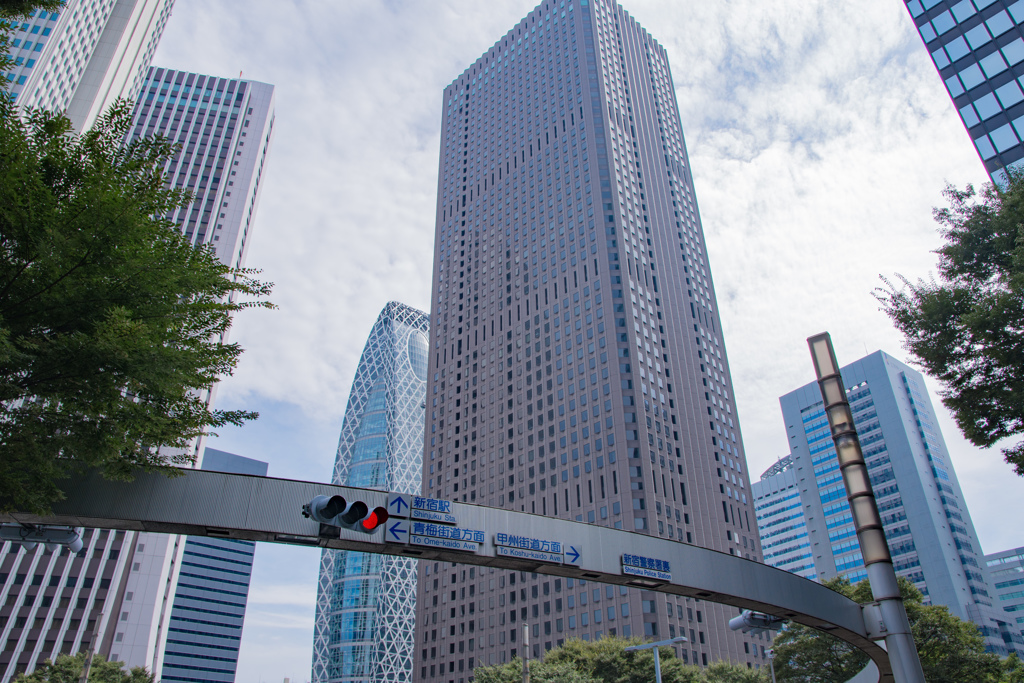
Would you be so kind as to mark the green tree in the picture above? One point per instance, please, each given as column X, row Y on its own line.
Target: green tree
column 951, row 650
column 68, row 669
column 967, row 329
column 111, row 322
column 606, row 661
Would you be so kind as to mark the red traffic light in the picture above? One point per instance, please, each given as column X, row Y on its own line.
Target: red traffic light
column 376, row 518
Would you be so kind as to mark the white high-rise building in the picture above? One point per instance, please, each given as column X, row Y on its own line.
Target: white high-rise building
column 84, row 57
column 116, row 595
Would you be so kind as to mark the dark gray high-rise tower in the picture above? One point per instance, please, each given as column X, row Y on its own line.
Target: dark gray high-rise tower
column 577, row 365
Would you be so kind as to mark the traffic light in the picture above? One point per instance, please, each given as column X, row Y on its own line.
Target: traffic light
column 30, row 535
column 336, row 511
column 755, row 622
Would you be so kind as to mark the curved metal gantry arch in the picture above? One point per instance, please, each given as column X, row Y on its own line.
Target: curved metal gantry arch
column 201, row 503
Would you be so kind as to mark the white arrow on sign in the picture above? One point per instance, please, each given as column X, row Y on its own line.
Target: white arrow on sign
column 572, row 554
column 398, row 504
column 397, row 531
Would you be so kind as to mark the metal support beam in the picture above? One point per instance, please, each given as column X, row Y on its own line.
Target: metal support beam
column 200, row 503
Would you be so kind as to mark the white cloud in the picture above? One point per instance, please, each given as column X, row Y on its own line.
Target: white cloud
column 819, row 135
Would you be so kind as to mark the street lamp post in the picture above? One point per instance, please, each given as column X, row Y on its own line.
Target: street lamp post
column 771, row 662
column 906, row 666
column 657, row 658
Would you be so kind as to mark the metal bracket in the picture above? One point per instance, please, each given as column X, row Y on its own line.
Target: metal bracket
column 874, row 623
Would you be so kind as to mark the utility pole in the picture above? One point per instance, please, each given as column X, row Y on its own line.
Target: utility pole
column 92, row 648
column 906, row 666
column 526, row 653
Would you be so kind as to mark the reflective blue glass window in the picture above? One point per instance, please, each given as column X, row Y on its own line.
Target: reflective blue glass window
column 978, row 36
column 1017, row 11
column 999, row 23
column 993, row 64
column 963, row 9
column 1014, row 52
column 1003, row 138
column 987, row 106
column 915, row 8
column 927, row 32
column 971, row 76
column 943, row 22
column 928, row 4
column 982, row 4
column 957, row 47
column 1019, row 125
column 953, row 84
column 1009, row 95
column 970, row 118
column 985, row 148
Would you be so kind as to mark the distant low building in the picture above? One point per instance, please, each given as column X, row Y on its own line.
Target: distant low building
column 780, row 518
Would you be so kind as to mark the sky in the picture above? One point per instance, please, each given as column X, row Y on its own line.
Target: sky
column 820, row 138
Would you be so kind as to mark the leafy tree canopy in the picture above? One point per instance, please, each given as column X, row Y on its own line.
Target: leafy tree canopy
column 967, row 328
column 68, row 669
column 606, row 661
column 111, row 322
column 951, row 650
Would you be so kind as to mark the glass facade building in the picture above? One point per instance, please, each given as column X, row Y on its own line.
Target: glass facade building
column 365, row 613
column 577, row 361
column 785, row 542
column 1006, row 572
column 205, row 629
column 87, row 55
column 927, row 524
column 978, row 48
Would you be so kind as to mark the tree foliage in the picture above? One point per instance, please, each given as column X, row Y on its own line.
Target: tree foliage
column 951, row 650
column 111, row 322
column 967, row 329
column 606, row 661
column 68, row 669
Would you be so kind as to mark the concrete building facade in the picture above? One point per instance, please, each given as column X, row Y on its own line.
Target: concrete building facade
column 84, row 57
column 927, row 524
column 366, row 604
column 577, row 364
column 1006, row 574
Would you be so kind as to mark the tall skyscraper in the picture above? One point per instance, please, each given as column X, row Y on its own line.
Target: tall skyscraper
column 577, row 364
column 124, row 582
column 205, row 629
column 366, row 604
column 1006, row 573
column 978, row 48
column 785, row 542
column 85, row 56
column 929, row 529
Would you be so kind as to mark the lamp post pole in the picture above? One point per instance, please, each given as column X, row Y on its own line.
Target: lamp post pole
column 771, row 662
column 906, row 666
column 657, row 657
column 526, row 653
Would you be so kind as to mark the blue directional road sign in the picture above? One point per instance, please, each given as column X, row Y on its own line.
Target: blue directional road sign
column 399, row 504
column 397, row 531
column 572, row 556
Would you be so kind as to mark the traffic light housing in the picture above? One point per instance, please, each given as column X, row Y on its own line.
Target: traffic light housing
column 336, row 511
column 755, row 622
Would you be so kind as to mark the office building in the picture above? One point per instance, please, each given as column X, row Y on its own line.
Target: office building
column 577, row 364
column 205, row 628
column 1006, row 575
column 366, row 604
column 84, row 57
column 978, row 48
column 780, row 518
column 929, row 529
column 124, row 582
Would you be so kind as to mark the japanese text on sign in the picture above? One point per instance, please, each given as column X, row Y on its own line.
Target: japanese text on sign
column 442, row 531
column 527, row 543
column 432, row 504
column 646, row 563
